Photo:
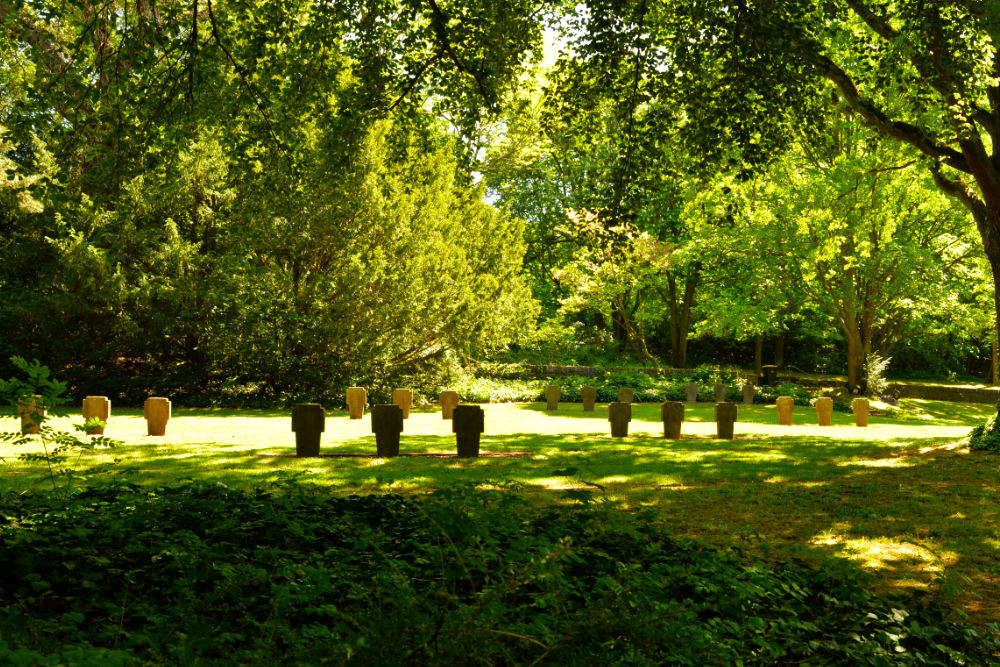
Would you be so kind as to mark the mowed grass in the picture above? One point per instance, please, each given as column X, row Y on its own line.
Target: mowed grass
column 902, row 497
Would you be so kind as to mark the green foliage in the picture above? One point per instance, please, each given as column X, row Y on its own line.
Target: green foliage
column 39, row 393
column 986, row 436
column 874, row 374
column 202, row 573
column 765, row 394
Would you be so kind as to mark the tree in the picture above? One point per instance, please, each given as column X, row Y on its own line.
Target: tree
column 850, row 225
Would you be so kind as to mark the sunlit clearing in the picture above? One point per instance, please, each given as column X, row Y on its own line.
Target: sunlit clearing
column 879, row 554
column 879, row 463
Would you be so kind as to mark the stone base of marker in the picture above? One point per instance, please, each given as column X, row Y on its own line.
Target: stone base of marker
column 448, row 400
column 404, row 399
column 308, row 424
column 468, row 422
column 824, row 411
column 720, row 392
column 552, row 395
column 156, row 410
column 96, row 407
column 672, row 414
column 357, row 398
column 861, row 409
column 619, row 414
column 691, row 392
column 725, row 420
column 625, row 394
column 785, row 405
column 588, row 395
column 748, row 393
column 31, row 412
column 387, row 424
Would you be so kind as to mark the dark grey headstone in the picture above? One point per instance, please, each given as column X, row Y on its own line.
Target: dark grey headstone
column 308, row 423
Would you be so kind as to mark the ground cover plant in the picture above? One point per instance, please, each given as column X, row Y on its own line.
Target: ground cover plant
column 903, row 497
column 202, row 573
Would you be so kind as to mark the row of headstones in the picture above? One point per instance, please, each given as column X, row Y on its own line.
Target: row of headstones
column 672, row 414
column 625, row 395
column 824, row 410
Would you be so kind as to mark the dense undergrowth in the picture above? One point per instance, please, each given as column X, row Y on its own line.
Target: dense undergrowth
column 209, row 575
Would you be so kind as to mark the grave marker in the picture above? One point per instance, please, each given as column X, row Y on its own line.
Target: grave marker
column 861, row 408
column 448, row 400
column 467, row 424
column 99, row 407
column 824, row 410
column 404, row 399
column 720, row 392
column 691, row 392
column 784, row 405
column 31, row 412
column 672, row 414
column 625, row 394
column 588, row 395
column 748, row 393
column 552, row 396
column 387, row 424
column 357, row 398
column 308, row 424
column 156, row 410
column 725, row 420
column 619, row 414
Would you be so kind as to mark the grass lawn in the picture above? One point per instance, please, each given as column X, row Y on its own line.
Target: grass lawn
column 902, row 496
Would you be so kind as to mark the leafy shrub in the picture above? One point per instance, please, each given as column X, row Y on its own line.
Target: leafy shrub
column 986, row 436
column 486, row 390
column 201, row 574
column 769, row 395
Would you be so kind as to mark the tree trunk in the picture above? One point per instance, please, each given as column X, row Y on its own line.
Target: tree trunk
column 855, row 358
column 758, row 354
column 685, row 326
column 779, row 349
column 674, row 320
column 994, row 357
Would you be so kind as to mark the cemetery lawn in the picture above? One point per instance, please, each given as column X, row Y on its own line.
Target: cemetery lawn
column 903, row 498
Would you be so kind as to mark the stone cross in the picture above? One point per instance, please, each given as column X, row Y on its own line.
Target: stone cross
column 30, row 409
column 748, row 392
column 725, row 420
column 468, row 423
column 387, row 424
column 672, row 414
column 552, row 396
column 448, row 400
column 156, row 410
column 357, row 398
column 99, row 407
column 308, row 424
column 619, row 414
column 824, row 410
column 784, row 404
column 861, row 409
column 625, row 394
column 691, row 392
column 588, row 395
column 404, row 399
column 720, row 392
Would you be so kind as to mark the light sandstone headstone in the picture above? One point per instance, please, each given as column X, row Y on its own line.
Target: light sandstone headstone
column 720, row 392
column 588, row 395
column 861, row 409
column 824, row 410
column 99, row 407
column 447, row 400
column 308, row 424
column 156, row 410
column 625, row 394
column 404, row 399
column 785, row 405
column 552, row 395
column 672, row 414
column 32, row 412
column 619, row 414
column 357, row 399
column 387, row 424
column 748, row 393
column 725, row 420
column 691, row 392
column 468, row 422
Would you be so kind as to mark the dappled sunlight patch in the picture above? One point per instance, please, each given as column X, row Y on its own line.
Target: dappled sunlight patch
column 883, row 553
column 878, row 463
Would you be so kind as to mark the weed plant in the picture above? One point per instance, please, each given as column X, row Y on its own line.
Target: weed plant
column 204, row 574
